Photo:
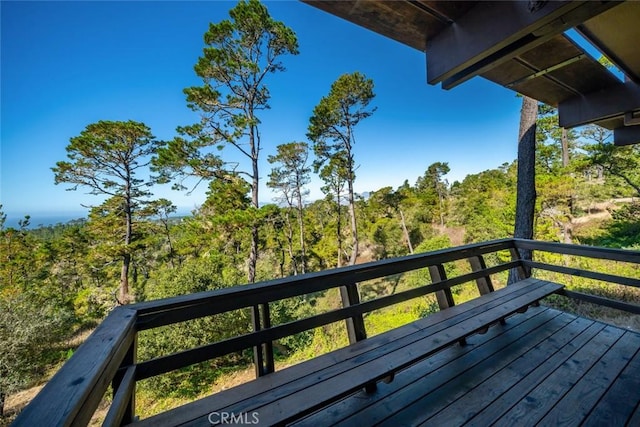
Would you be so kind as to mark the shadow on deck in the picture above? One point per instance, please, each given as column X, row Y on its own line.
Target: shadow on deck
column 499, row 359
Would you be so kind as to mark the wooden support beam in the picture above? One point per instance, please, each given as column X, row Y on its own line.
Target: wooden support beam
column 355, row 324
column 521, row 271
column 605, row 104
column 484, row 283
column 123, row 388
column 627, row 135
column 494, row 32
column 267, row 348
column 444, row 296
column 546, row 70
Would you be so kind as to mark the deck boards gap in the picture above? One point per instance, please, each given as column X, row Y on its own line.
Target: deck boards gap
column 450, row 356
column 429, row 404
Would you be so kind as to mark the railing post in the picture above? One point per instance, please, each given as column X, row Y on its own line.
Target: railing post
column 520, row 272
column 258, row 360
column 444, row 296
column 269, row 364
column 355, row 324
column 263, row 354
column 129, row 360
column 484, row 283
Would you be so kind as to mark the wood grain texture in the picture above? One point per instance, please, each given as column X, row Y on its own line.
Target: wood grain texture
column 73, row 394
column 304, row 388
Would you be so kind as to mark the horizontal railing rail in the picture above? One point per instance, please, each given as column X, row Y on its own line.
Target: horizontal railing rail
column 187, row 307
column 609, row 254
column 108, row 357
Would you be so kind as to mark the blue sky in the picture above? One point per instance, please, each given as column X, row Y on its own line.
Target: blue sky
column 68, row 64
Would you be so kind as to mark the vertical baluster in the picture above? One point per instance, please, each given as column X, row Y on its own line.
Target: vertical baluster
column 269, row 364
column 520, row 272
column 129, row 359
column 262, row 354
column 484, row 283
column 444, row 296
column 258, row 360
column 355, row 324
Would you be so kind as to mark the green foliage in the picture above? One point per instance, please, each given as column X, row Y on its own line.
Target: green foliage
column 621, row 162
column 289, row 177
column 105, row 157
column 331, row 128
column 194, row 276
column 334, row 119
column 29, row 328
column 484, row 204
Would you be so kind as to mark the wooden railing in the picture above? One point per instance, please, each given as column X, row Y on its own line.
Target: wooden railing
column 108, row 357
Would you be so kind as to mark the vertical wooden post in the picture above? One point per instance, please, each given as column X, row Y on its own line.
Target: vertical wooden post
column 258, row 361
column 484, row 283
column 262, row 354
column 520, row 272
column 129, row 360
column 269, row 364
column 444, row 296
column 355, row 324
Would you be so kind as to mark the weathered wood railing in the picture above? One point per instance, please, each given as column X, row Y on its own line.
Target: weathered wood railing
column 627, row 256
column 108, row 357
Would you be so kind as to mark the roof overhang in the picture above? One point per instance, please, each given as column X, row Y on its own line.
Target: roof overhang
column 522, row 45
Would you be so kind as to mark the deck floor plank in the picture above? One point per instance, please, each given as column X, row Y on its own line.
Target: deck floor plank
column 581, row 372
column 291, row 401
column 428, row 397
column 249, row 396
column 554, row 347
column 534, row 405
column 503, row 398
column 611, row 410
column 578, row 402
column 543, row 367
column 523, row 355
column 446, row 361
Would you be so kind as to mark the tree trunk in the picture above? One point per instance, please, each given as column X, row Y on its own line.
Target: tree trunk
column 526, row 185
column 354, row 226
column 339, row 232
column 565, row 148
column 406, row 233
column 292, row 255
column 126, row 258
column 303, row 251
column 253, row 254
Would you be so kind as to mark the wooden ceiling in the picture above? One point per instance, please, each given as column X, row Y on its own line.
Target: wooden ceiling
column 522, row 45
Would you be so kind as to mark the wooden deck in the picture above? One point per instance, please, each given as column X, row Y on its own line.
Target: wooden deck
column 544, row 367
column 540, row 367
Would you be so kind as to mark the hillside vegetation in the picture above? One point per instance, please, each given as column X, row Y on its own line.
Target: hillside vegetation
column 57, row 282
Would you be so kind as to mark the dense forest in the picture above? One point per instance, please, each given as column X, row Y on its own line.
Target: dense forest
column 57, row 282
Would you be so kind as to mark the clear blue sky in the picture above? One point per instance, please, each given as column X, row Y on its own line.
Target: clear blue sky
column 68, row 64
